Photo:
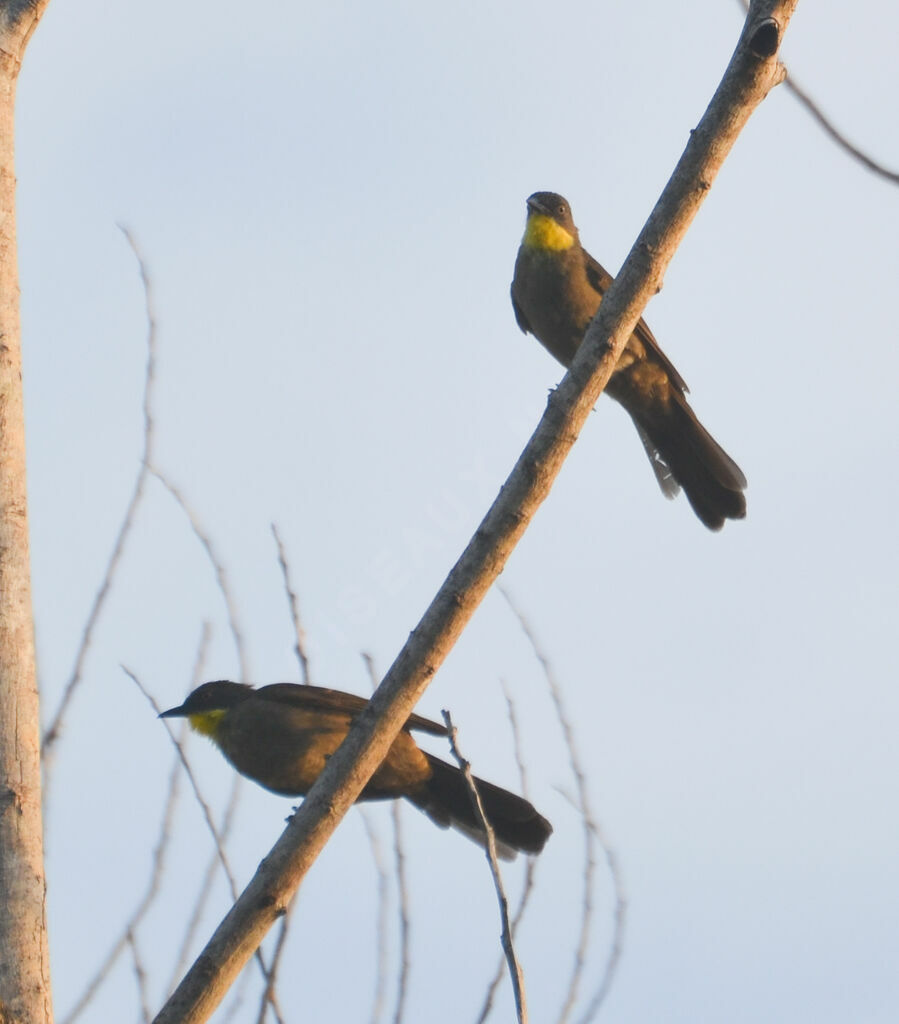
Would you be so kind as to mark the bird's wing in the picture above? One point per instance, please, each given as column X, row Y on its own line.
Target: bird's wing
column 520, row 318
column 320, row 698
column 601, row 279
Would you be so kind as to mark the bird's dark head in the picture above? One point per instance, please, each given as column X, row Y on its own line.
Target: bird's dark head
column 549, row 224
column 206, row 705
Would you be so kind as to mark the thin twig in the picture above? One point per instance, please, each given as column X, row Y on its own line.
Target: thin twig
column 158, row 861
column 219, row 835
column 592, row 835
column 185, row 764
column 298, row 631
column 619, row 915
column 269, row 995
column 140, row 976
column 402, row 885
column 580, row 957
column 212, row 867
column 229, row 815
column 205, row 808
column 812, row 107
column 217, row 840
column 52, row 732
column 515, row 972
column 218, row 568
column 530, row 869
column 205, row 888
column 380, row 994
column 143, row 906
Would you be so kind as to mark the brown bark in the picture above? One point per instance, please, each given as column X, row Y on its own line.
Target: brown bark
column 24, row 961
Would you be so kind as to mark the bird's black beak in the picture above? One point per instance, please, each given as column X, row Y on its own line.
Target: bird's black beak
column 535, row 206
column 177, row 712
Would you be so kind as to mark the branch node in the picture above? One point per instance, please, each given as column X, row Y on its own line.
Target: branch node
column 268, row 900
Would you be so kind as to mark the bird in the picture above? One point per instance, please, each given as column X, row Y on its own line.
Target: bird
column 282, row 735
column 556, row 290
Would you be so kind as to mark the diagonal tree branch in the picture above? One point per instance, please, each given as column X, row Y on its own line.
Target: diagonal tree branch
column 752, row 72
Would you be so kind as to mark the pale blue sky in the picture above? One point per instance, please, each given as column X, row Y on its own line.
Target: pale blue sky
column 330, row 199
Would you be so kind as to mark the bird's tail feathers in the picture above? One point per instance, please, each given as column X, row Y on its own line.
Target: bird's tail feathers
column 446, row 799
column 684, row 453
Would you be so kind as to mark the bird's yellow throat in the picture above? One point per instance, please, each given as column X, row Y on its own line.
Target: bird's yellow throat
column 542, row 232
column 206, row 722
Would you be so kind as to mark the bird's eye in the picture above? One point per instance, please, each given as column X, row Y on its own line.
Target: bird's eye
column 562, row 208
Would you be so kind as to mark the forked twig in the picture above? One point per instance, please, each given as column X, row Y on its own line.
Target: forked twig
column 294, row 604
column 140, row 977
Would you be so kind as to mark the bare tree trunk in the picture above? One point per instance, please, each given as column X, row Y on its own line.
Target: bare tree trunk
column 24, row 958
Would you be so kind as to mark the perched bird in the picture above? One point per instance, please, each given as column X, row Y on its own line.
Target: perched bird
column 556, row 291
column 281, row 736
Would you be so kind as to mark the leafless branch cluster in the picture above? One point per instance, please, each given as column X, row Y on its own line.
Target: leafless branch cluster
column 128, row 940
